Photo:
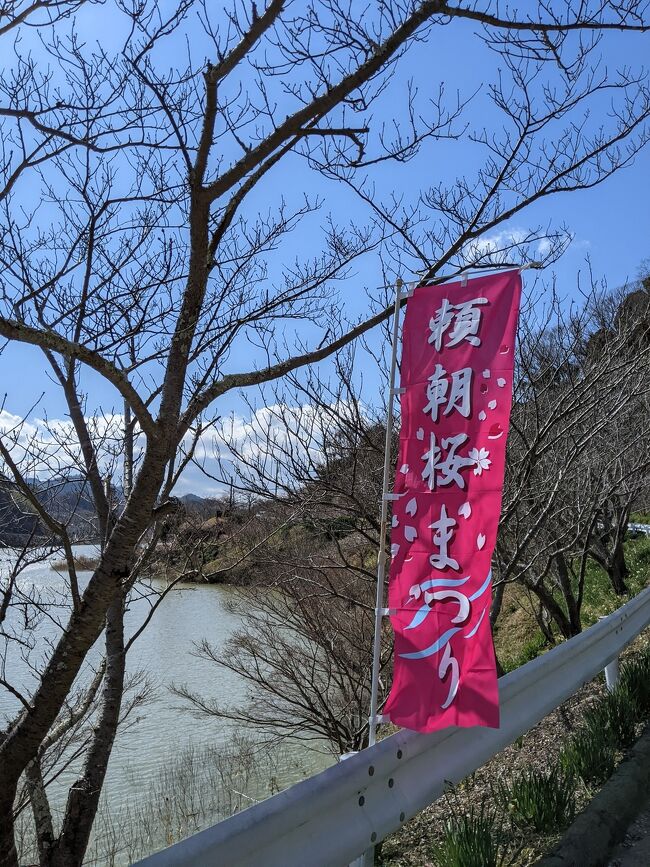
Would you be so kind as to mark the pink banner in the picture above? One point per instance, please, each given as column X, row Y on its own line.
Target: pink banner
column 457, row 370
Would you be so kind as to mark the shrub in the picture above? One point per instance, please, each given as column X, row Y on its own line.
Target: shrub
column 542, row 800
column 635, row 677
column 616, row 713
column 589, row 755
column 470, row 841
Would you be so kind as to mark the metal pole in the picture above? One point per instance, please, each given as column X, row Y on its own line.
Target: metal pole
column 368, row 857
column 381, row 557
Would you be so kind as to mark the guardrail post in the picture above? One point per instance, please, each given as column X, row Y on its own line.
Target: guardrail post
column 361, row 861
column 611, row 674
column 611, row 670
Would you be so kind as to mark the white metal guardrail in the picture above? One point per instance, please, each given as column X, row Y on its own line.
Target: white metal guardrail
column 639, row 528
column 331, row 818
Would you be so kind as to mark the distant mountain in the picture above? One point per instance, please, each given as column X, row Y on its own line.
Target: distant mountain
column 192, row 498
column 68, row 500
column 18, row 520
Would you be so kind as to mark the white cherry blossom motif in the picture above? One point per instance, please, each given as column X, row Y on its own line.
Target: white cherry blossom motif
column 492, row 404
column 501, row 382
column 420, row 433
column 480, row 541
column 395, row 522
column 410, row 533
column 465, row 510
column 404, row 469
column 481, row 460
column 394, row 548
column 482, row 415
column 486, row 374
column 411, row 507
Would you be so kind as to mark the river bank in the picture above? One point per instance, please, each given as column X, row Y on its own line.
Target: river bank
column 163, row 745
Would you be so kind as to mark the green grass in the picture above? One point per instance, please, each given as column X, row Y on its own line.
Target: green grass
column 471, row 840
column 543, row 801
column 599, row 597
column 517, row 637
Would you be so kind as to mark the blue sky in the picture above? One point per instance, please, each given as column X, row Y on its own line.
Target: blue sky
column 610, row 224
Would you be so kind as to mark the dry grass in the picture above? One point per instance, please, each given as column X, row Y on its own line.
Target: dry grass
column 82, row 563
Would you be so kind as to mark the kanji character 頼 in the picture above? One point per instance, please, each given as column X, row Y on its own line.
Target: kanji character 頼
column 466, row 319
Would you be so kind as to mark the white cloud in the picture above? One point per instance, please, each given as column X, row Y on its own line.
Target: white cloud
column 273, row 435
column 43, row 447
column 506, row 246
column 495, row 247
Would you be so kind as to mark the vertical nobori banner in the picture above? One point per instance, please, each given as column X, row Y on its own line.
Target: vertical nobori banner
column 456, row 372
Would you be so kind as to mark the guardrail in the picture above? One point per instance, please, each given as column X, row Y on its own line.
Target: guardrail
column 330, row 819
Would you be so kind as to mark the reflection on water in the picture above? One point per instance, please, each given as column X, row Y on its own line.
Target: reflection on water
column 166, row 735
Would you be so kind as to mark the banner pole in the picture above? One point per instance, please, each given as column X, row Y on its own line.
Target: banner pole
column 381, row 557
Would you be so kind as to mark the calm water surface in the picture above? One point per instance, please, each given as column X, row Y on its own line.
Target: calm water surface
column 164, row 728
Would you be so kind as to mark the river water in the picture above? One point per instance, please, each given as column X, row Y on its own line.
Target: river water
column 167, row 738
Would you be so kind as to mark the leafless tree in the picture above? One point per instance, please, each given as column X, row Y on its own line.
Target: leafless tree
column 146, row 240
column 573, row 454
column 313, row 459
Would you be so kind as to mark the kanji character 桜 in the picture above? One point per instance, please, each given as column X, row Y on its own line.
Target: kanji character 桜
column 458, row 397
column 466, row 319
column 443, row 532
column 443, row 470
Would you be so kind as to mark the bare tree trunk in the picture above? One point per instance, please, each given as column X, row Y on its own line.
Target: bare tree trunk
column 572, row 603
column 22, row 740
column 497, row 602
column 128, row 451
column 83, row 797
column 554, row 609
column 613, row 563
column 40, row 810
column 618, row 571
